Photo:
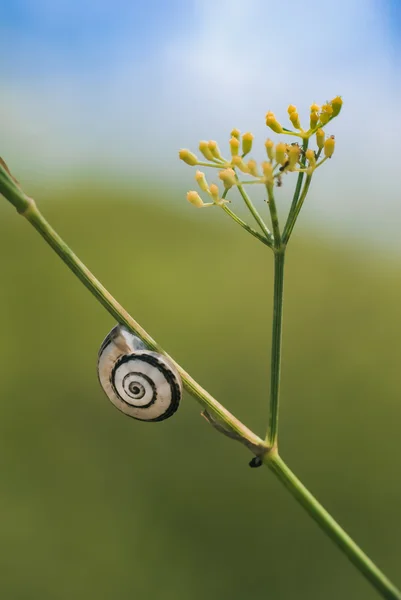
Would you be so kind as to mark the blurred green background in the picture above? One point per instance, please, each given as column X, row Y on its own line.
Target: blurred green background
column 97, row 505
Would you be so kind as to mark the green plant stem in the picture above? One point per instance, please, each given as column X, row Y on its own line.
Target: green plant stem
column 274, row 216
column 297, row 188
column 247, row 227
column 27, row 208
column 291, row 223
column 254, row 212
column 272, row 431
column 361, row 561
column 224, row 421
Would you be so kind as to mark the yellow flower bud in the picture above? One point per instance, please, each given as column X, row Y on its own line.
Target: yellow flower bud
column 253, row 168
column 294, row 118
column 326, row 114
column 272, row 122
column 314, row 108
column 194, row 198
column 336, row 104
column 314, row 119
column 234, row 146
column 281, row 150
column 214, row 192
column 204, row 148
column 324, row 118
column 291, row 109
column 267, row 169
column 328, row 109
column 320, row 138
column 247, row 140
column 293, row 156
column 311, row 157
column 236, row 133
column 329, row 146
column 269, row 145
column 188, row 157
column 214, row 149
column 237, row 161
column 201, row 181
column 228, row 178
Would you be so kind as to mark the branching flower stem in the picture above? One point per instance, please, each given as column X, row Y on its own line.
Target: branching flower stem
column 274, row 217
column 216, row 414
column 298, row 186
column 247, row 227
column 254, row 212
column 293, row 219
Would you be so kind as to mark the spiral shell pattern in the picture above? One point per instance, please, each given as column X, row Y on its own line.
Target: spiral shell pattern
column 142, row 384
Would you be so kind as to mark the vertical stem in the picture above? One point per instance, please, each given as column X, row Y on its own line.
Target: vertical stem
column 274, row 216
column 291, row 221
column 336, row 533
column 272, row 431
column 299, row 182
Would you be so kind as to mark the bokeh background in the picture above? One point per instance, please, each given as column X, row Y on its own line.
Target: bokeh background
column 97, row 97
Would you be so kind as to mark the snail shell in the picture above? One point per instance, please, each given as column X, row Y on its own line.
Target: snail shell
column 142, row 384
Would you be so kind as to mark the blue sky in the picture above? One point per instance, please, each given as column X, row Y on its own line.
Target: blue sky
column 123, row 85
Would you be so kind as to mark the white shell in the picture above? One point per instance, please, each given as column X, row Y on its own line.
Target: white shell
column 140, row 383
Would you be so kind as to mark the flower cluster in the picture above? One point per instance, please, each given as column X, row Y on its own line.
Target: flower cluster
column 281, row 157
column 319, row 117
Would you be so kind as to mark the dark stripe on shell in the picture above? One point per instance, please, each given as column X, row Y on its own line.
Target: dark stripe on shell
column 152, row 359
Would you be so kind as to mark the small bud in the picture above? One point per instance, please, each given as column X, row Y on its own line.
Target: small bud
column 267, row 169
column 320, row 138
column 234, row 146
column 272, row 122
column 214, row 192
column 236, row 133
column 214, row 149
column 253, row 168
column 201, row 181
column 204, row 148
column 326, row 114
column 314, row 108
column 228, row 178
column 314, row 119
column 291, row 109
column 247, row 140
column 269, row 145
column 237, row 161
column 194, row 198
column 311, row 157
column 329, row 146
column 293, row 156
column 188, row 157
column 281, row 150
column 336, row 104
column 294, row 118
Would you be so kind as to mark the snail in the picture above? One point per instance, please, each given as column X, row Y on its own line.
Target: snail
column 142, row 384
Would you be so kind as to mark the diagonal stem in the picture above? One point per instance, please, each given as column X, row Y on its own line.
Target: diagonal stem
column 254, row 212
column 247, row 227
column 221, row 416
column 335, row 532
column 27, row 208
